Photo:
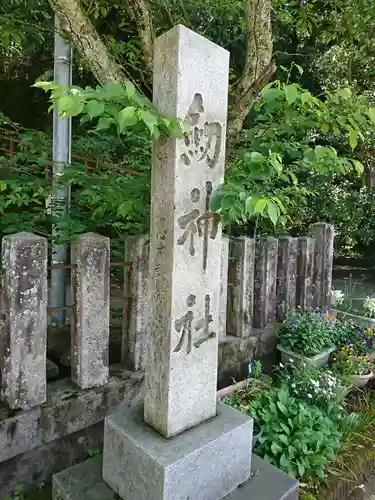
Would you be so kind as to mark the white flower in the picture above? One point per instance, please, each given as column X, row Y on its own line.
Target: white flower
column 309, row 395
column 281, row 365
column 294, row 386
column 369, row 304
column 291, row 360
column 338, row 295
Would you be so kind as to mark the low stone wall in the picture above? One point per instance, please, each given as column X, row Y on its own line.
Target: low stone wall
column 38, row 442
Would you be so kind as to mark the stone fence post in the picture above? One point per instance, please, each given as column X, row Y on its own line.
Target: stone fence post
column 265, row 281
column 223, row 313
column 23, row 323
column 286, row 276
column 241, row 289
column 90, row 325
column 136, row 301
column 305, row 267
column 324, row 235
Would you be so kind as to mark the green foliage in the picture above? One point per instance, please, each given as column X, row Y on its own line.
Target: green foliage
column 288, row 142
column 116, row 106
column 104, row 199
column 296, row 437
column 317, row 386
column 16, row 494
column 306, row 333
column 347, row 363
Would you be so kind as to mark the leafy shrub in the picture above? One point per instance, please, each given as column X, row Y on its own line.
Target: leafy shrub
column 298, row 438
column 348, row 364
column 317, row 386
column 306, row 333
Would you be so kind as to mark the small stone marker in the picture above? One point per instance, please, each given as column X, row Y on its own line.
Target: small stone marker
column 90, row 336
column 23, row 326
column 190, row 80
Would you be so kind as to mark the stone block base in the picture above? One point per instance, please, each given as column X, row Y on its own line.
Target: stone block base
column 83, row 481
column 204, row 463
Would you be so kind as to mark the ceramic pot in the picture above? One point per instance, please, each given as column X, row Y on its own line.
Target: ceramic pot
column 361, row 381
column 319, row 360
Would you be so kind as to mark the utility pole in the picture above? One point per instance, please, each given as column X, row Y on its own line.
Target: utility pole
column 62, row 137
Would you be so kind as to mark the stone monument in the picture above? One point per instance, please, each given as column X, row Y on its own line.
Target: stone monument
column 185, row 447
column 181, row 445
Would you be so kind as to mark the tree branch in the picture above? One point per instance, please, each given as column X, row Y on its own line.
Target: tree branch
column 143, row 20
column 258, row 67
column 80, row 30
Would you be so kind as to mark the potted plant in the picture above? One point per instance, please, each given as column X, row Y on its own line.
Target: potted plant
column 364, row 342
column 240, row 396
column 306, row 336
column 356, row 368
column 318, row 386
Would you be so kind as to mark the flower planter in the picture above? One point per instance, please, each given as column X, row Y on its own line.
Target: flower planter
column 319, row 360
column 361, row 381
column 358, row 320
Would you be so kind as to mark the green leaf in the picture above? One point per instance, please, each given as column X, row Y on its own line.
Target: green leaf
column 283, row 438
column 291, row 93
column 284, row 462
column 273, row 212
column 260, row 205
column 359, row 168
column 150, row 120
column 276, row 448
column 127, row 117
column 300, row 69
column 104, row 123
column 371, row 114
column 215, row 202
column 95, row 108
column 301, row 468
column 353, row 138
column 130, row 89
column 305, row 97
column 114, row 90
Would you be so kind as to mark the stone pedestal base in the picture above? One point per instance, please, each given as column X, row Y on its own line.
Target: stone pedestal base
column 204, row 463
column 84, row 482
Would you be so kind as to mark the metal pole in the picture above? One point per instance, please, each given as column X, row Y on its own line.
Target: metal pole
column 61, row 157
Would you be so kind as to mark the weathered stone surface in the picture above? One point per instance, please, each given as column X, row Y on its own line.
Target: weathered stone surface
column 324, row 236
column 52, row 370
column 286, row 276
column 223, row 287
column 234, row 351
column 267, row 483
column 90, row 332
column 36, row 466
column 305, row 267
column 66, row 411
column 135, row 325
column 241, row 290
column 204, row 463
column 190, row 80
column 265, row 281
column 23, row 322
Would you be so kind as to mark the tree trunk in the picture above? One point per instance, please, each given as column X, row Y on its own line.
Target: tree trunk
column 258, row 67
column 86, row 40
